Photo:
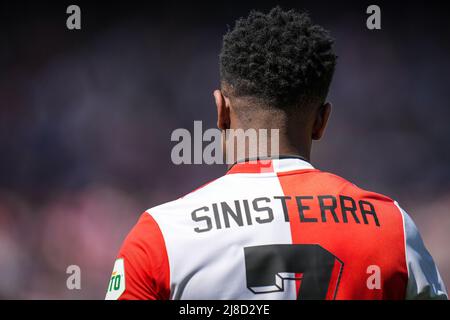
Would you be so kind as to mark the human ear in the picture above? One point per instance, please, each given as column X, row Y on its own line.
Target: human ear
column 223, row 112
column 320, row 123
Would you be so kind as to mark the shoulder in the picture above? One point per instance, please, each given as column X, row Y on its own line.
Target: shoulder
column 339, row 184
column 142, row 263
column 349, row 196
column 205, row 190
column 424, row 279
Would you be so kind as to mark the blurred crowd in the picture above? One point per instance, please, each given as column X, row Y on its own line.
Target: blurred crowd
column 86, row 119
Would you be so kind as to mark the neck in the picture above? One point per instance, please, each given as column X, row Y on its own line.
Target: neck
column 282, row 141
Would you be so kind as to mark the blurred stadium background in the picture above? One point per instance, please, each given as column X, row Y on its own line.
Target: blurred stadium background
column 86, row 118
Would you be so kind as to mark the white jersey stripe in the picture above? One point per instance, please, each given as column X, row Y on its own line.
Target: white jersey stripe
column 211, row 265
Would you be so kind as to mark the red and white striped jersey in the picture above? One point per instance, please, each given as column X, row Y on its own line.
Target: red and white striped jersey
column 276, row 229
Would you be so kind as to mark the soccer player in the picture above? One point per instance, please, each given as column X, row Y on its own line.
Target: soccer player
column 276, row 228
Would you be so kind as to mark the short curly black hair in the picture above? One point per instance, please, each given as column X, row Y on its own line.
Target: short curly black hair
column 280, row 58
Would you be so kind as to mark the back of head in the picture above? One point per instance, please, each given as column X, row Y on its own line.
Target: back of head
column 278, row 60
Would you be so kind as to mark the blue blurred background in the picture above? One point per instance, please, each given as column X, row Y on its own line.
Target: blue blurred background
column 86, row 118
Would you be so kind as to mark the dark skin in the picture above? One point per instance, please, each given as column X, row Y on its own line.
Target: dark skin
column 297, row 129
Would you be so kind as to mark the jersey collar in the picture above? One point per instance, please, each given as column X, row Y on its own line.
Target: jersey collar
column 282, row 163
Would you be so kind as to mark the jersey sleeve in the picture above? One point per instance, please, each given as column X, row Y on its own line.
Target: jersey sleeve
column 424, row 280
column 141, row 271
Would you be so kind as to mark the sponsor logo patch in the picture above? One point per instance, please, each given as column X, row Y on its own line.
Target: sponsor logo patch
column 116, row 284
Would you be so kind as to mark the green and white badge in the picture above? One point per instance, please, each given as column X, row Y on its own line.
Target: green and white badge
column 116, row 284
